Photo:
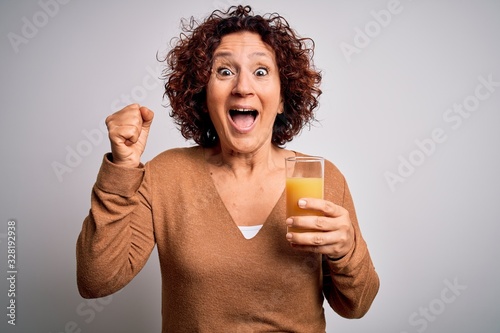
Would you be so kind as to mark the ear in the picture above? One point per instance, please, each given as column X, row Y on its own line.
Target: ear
column 281, row 107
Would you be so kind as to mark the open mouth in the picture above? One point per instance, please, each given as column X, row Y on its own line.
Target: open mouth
column 243, row 118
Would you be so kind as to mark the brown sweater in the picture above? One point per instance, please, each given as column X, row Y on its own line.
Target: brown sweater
column 213, row 279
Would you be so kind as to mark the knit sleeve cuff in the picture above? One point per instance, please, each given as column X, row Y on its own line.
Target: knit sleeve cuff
column 347, row 262
column 119, row 180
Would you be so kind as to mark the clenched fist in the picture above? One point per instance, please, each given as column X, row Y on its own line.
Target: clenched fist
column 128, row 132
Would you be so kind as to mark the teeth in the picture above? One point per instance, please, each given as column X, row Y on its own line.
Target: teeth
column 243, row 110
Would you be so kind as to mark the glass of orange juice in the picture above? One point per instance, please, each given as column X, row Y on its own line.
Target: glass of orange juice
column 304, row 179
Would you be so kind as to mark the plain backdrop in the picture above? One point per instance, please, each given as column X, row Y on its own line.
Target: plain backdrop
column 410, row 113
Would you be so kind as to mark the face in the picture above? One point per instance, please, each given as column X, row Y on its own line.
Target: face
column 243, row 93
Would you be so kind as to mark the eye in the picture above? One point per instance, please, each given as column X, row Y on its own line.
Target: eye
column 261, row 71
column 223, row 71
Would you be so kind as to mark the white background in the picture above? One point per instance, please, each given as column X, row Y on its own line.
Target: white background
column 64, row 68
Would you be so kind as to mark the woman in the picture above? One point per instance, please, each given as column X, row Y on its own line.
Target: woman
column 241, row 86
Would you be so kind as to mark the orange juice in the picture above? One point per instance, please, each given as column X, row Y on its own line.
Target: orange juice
column 297, row 188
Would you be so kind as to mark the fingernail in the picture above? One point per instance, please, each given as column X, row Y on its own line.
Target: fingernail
column 302, row 203
column 289, row 221
column 289, row 236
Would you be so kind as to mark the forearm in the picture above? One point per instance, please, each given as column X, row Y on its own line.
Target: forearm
column 116, row 237
column 351, row 283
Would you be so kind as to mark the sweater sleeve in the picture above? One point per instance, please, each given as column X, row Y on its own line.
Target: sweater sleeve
column 350, row 284
column 117, row 236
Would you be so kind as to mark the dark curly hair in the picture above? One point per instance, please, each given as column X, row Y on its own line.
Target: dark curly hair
column 189, row 65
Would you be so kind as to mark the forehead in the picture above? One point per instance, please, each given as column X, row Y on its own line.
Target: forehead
column 243, row 43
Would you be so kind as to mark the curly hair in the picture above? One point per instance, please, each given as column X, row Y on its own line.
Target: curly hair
column 189, row 65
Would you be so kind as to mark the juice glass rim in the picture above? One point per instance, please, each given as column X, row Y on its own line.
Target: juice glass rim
column 305, row 158
column 291, row 163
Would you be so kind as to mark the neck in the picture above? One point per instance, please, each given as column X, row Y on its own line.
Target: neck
column 266, row 159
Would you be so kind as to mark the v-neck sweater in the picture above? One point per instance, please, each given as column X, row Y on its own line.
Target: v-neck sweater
column 213, row 278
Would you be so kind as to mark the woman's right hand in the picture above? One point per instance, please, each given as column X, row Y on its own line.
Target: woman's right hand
column 128, row 132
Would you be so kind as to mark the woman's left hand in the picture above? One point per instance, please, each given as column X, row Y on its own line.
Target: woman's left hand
column 331, row 234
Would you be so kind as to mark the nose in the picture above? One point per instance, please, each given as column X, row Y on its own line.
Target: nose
column 243, row 84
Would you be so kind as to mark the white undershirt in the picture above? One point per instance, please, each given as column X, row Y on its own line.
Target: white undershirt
column 250, row 231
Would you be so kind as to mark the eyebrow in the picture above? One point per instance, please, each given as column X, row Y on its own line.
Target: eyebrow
column 227, row 54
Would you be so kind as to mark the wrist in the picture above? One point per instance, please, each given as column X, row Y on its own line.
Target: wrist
column 123, row 163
